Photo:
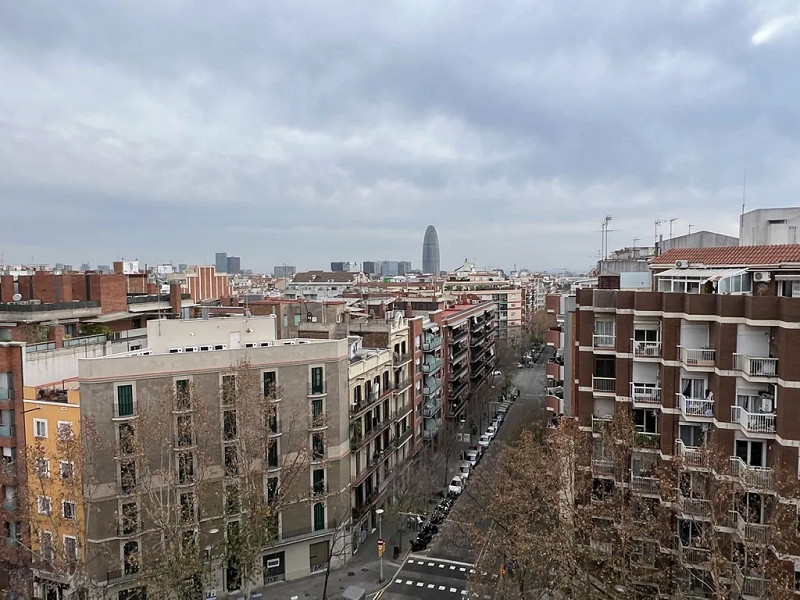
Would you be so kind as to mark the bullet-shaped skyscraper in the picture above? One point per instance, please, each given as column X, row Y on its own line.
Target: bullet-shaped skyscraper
column 430, row 251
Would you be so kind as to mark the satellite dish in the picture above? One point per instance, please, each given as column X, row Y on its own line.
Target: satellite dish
column 16, row 297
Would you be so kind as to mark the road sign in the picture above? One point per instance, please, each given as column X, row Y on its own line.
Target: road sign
column 381, row 543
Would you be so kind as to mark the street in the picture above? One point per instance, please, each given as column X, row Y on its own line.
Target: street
column 442, row 570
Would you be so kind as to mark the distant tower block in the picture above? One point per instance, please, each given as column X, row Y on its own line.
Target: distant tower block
column 430, row 252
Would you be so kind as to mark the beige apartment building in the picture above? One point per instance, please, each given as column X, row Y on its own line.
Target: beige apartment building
column 192, row 430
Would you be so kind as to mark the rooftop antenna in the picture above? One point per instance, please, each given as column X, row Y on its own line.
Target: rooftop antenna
column 744, row 188
column 657, row 223
column 671, row 221
column 690, row 228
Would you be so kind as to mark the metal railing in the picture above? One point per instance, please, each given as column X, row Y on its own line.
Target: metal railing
column 643, row 394
column 429, row 410
column 756, row 367
column 433, row 426
column 401, row 385
column 691, row 555
column 644, row 439
column 604, row 384
column 646, row 349
column 599, row 424
column 696, row 507
column 697, row 357
column 603, row 467
column 755, row 422
column 645, row 485
column 696, row 407
column 604, row 341
column 45, row 306
column 85, row 340
column 431, row 344
column 750, row 532
column 429, row 366
column 749, row 585
column 401, row 358
column 403, row 437
column 752, row 477
column 692, row 456
column 431, row 385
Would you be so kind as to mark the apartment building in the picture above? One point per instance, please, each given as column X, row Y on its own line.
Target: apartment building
column 430, row 365
column 319, row 285
column 182, row 422
column 491, row 287
column 706, row 366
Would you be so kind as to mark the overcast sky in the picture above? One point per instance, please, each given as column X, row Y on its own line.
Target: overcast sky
column 303, row 132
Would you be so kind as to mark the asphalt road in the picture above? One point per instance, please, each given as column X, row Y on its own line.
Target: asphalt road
column 442, row 570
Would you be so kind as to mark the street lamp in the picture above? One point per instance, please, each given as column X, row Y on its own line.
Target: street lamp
column 379, row 512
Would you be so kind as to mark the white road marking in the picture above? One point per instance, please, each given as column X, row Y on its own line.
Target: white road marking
column 453, row 590
column 441, row 566
column 441, row 588
column 409, row 582
column 398, row 581
column 452, row 567
column 462, row 569
column 420, row 584
column 430, row 586
column 431, row 564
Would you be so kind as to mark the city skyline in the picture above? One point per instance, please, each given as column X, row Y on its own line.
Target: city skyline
column 268, row 127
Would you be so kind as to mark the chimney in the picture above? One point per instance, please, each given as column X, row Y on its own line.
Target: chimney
column 175, row 299
column 56, row 334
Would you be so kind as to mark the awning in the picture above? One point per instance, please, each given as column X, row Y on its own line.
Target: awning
column 701, row 274
column 787, row 277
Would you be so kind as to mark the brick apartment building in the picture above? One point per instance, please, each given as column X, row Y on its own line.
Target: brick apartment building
column 707, row 365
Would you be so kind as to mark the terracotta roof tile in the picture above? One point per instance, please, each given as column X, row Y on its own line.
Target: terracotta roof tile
column 724, row 256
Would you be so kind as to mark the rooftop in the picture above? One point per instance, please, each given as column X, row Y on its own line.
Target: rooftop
column 730, row 256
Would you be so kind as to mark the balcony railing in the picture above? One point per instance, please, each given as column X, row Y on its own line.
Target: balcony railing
column 690, row 555
column 697, row 357
column 645, row 394
column 604, row 384
column 432, row 385
column 429, row 366
column 600, row 424
column 400, row 386
column 644, row 439
column 754, row 422
column 401, row 358
column 752, row 477
column 604, row 341
column 645, row 485
column 431, row 409
column 756, row 367
column 459, row 334
column 646, row 349
column 695, row 507
column 431, row 344
column 603, row 467
column 459, row 354
column 692, row 456
column 432, row 426
column 403, row 437
column 696, row 407
column 750, row 584
column 750, row 532
column 371, row 399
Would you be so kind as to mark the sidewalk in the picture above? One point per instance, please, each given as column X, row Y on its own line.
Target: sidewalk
column 362, row 570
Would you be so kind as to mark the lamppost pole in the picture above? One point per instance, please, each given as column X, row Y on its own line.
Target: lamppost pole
column 380, row 537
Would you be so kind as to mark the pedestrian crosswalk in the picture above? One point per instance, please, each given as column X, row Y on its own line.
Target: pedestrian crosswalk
column 432, row 578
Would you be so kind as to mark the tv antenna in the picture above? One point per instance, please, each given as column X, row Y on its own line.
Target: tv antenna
column 671, row 221
column 656, row 224
column 604, row 237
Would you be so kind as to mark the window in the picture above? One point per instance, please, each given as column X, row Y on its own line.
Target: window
column 318, row 479
column 229, row 430
column 65, row 430
column 605, row 367
column 319, row 516
column 228, row 390
column 297, row 320
column 272, row 489
column 317, row 380
column 317, row 446
column 130, row 557
column 40, row 428
column 185, row 468
column 604, row 334
column 231, row 461
column 42, row 467
column 270, row 387
column 184, row 431
column 187, row 507
column 645, row 335
column 125, row 400
column 691, row 435
column 126, row 439
column 693, row 387
column 71, row 547
column 645, row 420
column 272, row 454
column 316, row 407
column 66, row 469
column 130, row 518
column 47, row 545
column 272, row 423
column 751, row 452
column 44, row 505
column 69, row 510
column 183, row 399
column 127, row 475
column 233, row 503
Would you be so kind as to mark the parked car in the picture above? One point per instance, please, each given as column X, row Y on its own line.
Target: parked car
column 491, row 431
column 496, row 373
column 480, row 450
column 499, row 419
column 484, row 441
column 456, row 486
column 464, row 469
column 472, row 456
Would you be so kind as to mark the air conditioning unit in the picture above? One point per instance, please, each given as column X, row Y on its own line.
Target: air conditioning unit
column 682, row 264
column 762, row 276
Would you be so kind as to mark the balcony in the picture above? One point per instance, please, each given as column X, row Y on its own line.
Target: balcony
column 757, row 533
column 431, row 343
column 641, row 484
column 371, row 400
column 459, row 354
column 696, row 508
column 431, row 409
column 694, row 408
column 7, row 431
column 476, row 339
column 604, row 385
column 749, row 582
column 692, row 556
column 400, row 359
column 753, row 422
column 645, row 440
column 692, row 456
column 458, row 373
column 431, row 385
column 403, row 437
column 762, row 478
column 646, row 349
column 432, row 427
column 603, row 467
column 756, row 367
column 400, row 386
column 604, row 342
column 642, row 394
column 458, row 335
column 697, row 357
column 600, row 424
column 430, row 366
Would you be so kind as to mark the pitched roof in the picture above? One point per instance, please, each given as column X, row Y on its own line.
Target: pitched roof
column 732, row 255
